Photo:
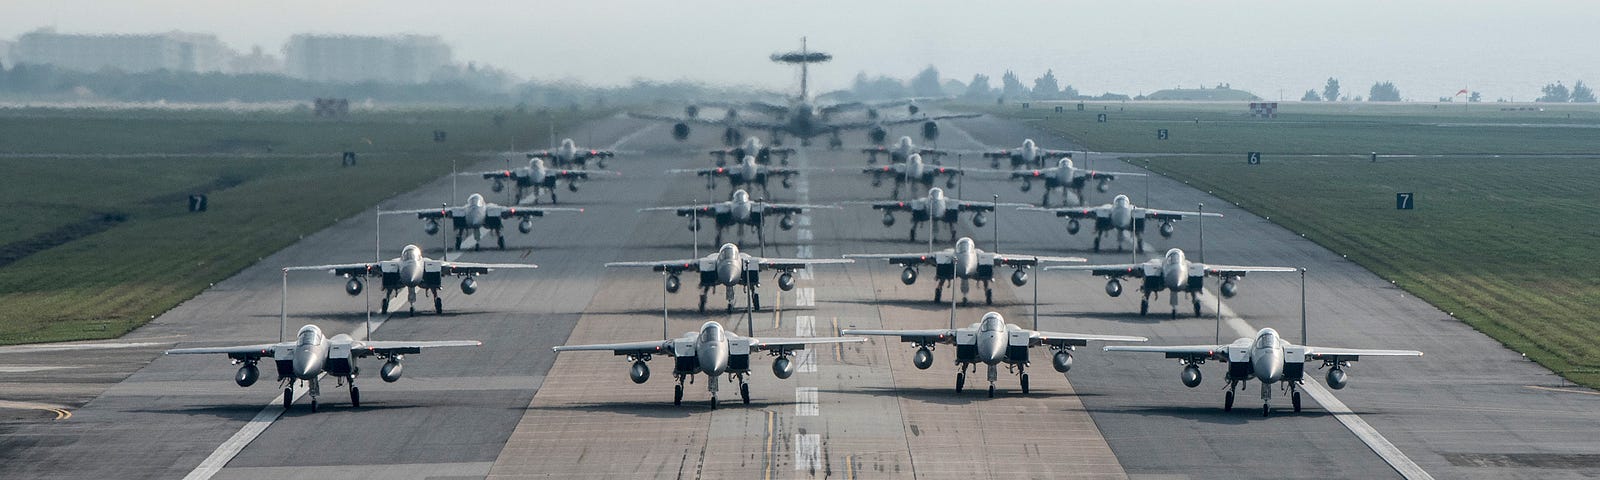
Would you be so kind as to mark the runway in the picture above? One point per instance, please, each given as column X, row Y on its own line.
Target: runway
column 1469, row 409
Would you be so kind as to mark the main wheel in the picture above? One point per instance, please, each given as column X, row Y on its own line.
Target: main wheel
column 385, row 306
column 988, row 296
column 355, row 397
column 1096, row 244
column 1266, row 409
column 1196, row 307
column 755, row 300
column 313, row 405
column 744, row 392
column 502, row 242
column 677, row 395
column 413, row 310
column 713, row 401
column 1296, row 399
column 961, row 381
column 702, row 303
column 288, row 397
column 1144, row 307
column 991, row 391
column 1024, row 383
column 438, row 306
column 1227, row 402
column 937, row 294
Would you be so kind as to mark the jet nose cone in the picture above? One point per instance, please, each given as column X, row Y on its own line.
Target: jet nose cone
column 306, row 363
column 1269, row 368
column 990, row 349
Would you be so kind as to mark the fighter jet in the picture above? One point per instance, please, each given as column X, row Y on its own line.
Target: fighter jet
column 477, row 216
column 569, row 154
column 747, row 172
column 729, row 267
column 1068, row 178
column 938, row 208
column 913, row 170
column 1120, row 216
column 312, row 354
column 967, row 263
column 713, row 351
column 740, row 212
column 993, row 342
column 537, row 177
column 1030, row 155
column 1172, row 272
column 411, row 271
column 901, row 151
column 752, row 147
column 1267, row 358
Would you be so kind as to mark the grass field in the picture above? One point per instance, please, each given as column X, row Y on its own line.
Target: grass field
column 99, row 239
column 1502, row 243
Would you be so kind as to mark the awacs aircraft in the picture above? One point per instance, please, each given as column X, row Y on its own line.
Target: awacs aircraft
column 311, row 355
column 938, row 208
column 913, row 170
column 752, row 147
column 746, row 173
column 992, row 342
column 477, row 216
column 1068, row 178
column 569, row 154
column 1120, row 216
column 538, row 177
column 967, row 263
column 740, row 212
column 1268, row 359
column 901, row 151
column 728, row 267
column 713, row 351
column 1030, row 155
column 410, row 272
column 801, row 117
column 1174, row 273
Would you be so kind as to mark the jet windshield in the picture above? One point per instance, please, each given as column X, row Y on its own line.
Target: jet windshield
column 310, row 336
column 991, row 323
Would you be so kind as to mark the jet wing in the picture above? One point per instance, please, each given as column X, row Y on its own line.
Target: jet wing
column 798, row 343
column 1214, row 352
column 467, row 268
column 897, row 206
column 652, row 347
column 894, row 168
column 1235, row 270
column 669, row 266
column 910, row 336
column 793, row 207
column 1170, row 214
column 797, row 263
column 345, row 268
column 704, row 172
column 1118, row 271
column 1352, row 354
column 1077, row 212
column 523, row 212
column 687, row 210
column 905, row 121
column 1030, row 260
column 423, row 212
column 1081, row 339
column 1096, row 174
column 571, row 174
column 389, row 348
column 242, row 352
column 971, row 206
column 1030, row 173
column 903, row 258
column 511, row 173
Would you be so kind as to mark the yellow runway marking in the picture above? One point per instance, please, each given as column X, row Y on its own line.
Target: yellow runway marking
column 771, row 421
column 61, row 412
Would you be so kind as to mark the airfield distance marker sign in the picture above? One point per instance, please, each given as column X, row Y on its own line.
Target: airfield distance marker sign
column 1100, row 118
column 1161, row 133
column 1404, row 200
column 1253, row 158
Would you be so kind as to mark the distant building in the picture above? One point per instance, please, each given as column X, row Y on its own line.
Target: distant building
column 172, row 51
column 351, row 59
column 255, row 62
column 5, row 53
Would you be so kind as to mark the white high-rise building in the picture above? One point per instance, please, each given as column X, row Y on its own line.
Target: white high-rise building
column 352, row 59
column 172, row 51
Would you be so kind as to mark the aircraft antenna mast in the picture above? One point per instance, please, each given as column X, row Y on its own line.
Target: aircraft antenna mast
column 666, row 279
column 283, row 306
column 804, row 57
column 1201, row 219
column 443, row 238
column 1303, row 325
column 996, row 221
column 952, row 297
column 1036, row 296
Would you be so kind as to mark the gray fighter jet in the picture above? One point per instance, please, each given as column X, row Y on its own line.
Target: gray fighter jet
column 967, row 263
column 713, row 351
column 1069, row 179
column 1122, row 217
column 993, row 342
column 913, row 170
column 537, row 177
column 1268, row 359
column 311, row 355
column 477, row 216
column 411, row 272
column 1030, row 155
column 1172, row 272
column 752, row 147
column 902, row 150
column 740, row 212
column 936, row 207
column 727, row 268
column 746, row 174
column 569, row 154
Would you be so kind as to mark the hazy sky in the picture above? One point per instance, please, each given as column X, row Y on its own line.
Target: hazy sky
column 1428, row 48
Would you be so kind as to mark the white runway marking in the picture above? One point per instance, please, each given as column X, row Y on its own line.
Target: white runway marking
column 807, row 451
column 805, row 274
column 804, row 325
column 805, row 297
column 807, row 359
column 32, row 368
column 803, row 235
column 805, row 220
column 803, row 251
column 805, row 402
column 1362, row 430
column 74, row 346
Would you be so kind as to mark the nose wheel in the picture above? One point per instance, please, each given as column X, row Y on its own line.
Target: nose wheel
column 288, row 397
column 961, row 380
column 677, row 393
column 355, row 394
column 1024, row 380
column 744, row 392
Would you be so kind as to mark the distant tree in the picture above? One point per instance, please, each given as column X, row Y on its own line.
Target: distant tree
column 1012, row 87
column 1045, row 87
column 926, row 83
column 979, row 87
column 1383, row 92
column 1311, row 96
column 953, row 87
column 1070, row 93
column 1331, row 90
column 1581, row 93
column 1474, row 98
column 1357, row 99
column 1555, row 93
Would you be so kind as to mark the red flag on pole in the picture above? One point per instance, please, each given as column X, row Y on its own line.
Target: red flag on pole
column 1462, row 92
